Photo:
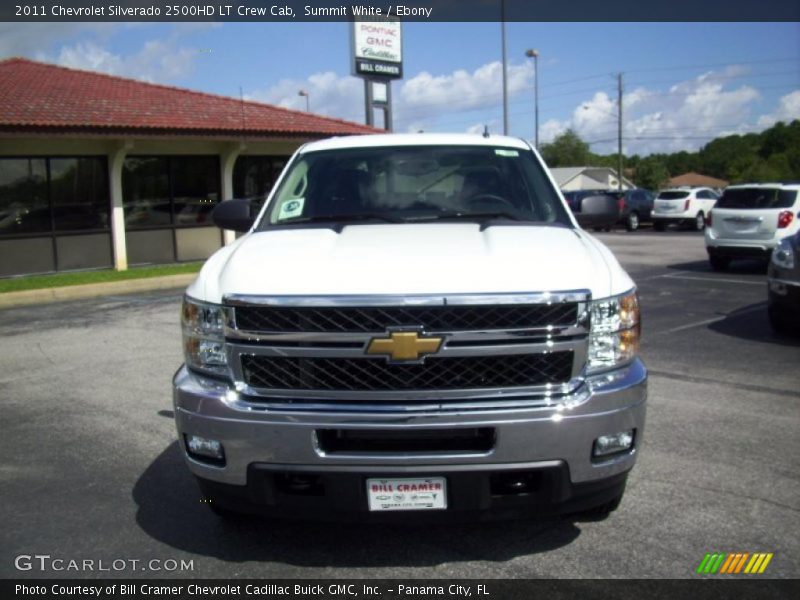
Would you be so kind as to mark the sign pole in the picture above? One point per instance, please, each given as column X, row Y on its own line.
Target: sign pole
column 369, row 111
column 387, row 110
column 377, row 58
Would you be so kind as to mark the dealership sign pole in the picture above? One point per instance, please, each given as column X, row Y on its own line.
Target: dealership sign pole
column 377, row 51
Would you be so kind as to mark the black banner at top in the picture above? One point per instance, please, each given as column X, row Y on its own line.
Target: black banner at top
column 408, row 10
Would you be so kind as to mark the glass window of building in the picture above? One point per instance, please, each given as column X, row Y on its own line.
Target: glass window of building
column 79, row 193
column 24, row 206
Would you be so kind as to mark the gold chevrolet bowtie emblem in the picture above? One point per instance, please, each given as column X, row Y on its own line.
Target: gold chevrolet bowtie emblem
column 404, row 345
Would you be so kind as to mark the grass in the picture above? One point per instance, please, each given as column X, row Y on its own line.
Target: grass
column 35, row 282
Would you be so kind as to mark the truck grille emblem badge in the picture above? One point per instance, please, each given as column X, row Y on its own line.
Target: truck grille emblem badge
column 404, row 346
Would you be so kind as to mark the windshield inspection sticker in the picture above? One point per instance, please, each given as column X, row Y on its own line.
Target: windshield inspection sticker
column 501, row 152
column 291, row 208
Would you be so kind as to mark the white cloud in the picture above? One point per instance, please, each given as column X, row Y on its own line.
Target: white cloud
column 463, row 89
column 685, row 116
column 165, row 59
column 422, row 102
column 788, row 109
column 30, row 39
column 329, row 94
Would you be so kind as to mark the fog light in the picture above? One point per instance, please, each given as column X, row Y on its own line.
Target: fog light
column 204, row 448
column 611, row 444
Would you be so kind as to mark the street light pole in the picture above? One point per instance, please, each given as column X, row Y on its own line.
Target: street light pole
column 307, row 96
column 535, row 55
column 619, row 130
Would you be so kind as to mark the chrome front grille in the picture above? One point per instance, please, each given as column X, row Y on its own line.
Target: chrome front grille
column 293, row 351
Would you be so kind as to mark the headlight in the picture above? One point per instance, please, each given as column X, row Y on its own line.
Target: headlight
column 204, row 336
column 614, row 334
column 783, row 254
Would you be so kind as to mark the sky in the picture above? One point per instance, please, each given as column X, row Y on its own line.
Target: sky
column 684, row 83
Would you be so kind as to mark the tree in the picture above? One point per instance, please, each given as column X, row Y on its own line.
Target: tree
column 651, row 173
column 567, row 150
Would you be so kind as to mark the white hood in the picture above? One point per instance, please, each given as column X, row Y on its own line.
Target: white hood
column 431, row 258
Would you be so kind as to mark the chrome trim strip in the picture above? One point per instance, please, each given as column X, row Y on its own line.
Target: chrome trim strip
column 524, row 399
column 784, row 282
column 238, row 350
column 381, row 397
column 410, row 300
column 454, row 336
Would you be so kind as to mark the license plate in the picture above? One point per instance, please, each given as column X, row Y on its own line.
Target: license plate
column 429, row 493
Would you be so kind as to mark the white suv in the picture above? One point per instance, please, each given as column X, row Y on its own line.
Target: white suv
column 683, row 206
column 750, row 220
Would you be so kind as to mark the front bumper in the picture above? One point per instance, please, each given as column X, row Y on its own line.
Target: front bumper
column 552, row 444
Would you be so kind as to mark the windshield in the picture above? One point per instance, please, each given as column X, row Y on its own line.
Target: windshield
column 672, row 195
column 407, row 184
column 757, row 198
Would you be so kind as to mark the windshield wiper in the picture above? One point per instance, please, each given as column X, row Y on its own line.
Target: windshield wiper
column 485, row 218
column 340, row 221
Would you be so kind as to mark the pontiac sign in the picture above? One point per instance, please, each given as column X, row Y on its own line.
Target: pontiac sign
column 377, row 49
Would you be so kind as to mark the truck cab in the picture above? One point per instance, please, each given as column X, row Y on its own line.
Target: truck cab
column 412, row 326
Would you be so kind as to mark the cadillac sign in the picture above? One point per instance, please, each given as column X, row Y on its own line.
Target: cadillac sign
column 378, row 49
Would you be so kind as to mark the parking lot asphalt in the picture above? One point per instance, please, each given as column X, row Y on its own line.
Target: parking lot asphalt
column 90, row 468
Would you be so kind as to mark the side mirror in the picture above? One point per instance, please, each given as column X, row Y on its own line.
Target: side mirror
column 233, row 214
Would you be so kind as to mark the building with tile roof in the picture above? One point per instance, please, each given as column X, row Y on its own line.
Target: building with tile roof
column 102, row 171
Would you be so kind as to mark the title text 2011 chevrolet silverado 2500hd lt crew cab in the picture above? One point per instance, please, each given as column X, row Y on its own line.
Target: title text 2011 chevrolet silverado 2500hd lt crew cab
column 412, row 323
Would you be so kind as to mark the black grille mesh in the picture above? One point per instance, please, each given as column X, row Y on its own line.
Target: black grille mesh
column 369, row 374
column 375, row 319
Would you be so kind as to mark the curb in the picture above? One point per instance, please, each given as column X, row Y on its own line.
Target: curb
column 94, row 290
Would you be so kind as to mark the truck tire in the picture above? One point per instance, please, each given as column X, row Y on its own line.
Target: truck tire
column 719, row 263
column 599, row 513
column 632, row 222
column 779, row 323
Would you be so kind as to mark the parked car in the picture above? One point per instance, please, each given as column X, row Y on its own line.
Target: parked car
column 783, row 285
column 750, row 220
column 685, row 206
column 635, row 207
column 598, row 209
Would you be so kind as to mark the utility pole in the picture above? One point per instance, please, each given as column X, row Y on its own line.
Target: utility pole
column 619, row 131
column 505, row 75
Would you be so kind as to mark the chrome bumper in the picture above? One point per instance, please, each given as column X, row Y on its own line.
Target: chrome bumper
column 563, row 432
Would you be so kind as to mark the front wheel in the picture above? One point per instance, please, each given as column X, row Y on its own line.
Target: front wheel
column 632, row 222
column 779, row 322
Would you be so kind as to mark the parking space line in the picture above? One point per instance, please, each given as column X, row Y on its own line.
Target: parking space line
column 735, row 313
column 719, row 279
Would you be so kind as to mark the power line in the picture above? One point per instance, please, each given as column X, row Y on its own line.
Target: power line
column 712, row 65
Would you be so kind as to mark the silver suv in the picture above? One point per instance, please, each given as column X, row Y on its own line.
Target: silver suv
column 750, row 220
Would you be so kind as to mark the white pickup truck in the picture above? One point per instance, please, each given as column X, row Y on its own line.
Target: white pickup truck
column 413, row 325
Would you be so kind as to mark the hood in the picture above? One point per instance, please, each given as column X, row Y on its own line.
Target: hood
column 430, row 258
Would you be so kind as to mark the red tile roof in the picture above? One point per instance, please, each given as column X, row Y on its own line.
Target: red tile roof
column 693, row 178
column 41, row 97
